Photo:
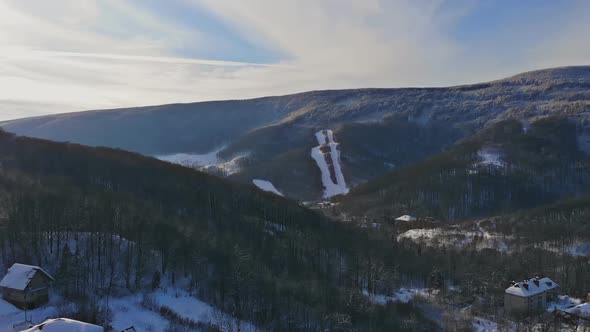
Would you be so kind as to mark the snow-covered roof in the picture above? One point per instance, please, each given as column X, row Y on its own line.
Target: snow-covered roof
column 19, row 276
column 64, row 325
column 531, row 286
column 405, row 218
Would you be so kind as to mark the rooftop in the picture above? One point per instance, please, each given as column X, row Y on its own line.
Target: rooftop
column 531, row 286
column 405, row 218
column 19, row 276
column 64, row 325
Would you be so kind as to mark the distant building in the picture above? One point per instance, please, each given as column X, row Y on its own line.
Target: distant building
column 26, row 286
column 63, row 325
column 405, row 218
column 529, row 296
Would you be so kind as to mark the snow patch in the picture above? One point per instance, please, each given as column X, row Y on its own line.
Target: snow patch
column 193, row 160
column 11, row 316
column 189, row 307
column 581, row 310
column 579, row 249
column 207, row 161
column 402, row 295
column 490, row 157
column 484, row 325
column 456, row 237
column 128, row 311
column 266, row 186
column 563, row 303
column 326, row 138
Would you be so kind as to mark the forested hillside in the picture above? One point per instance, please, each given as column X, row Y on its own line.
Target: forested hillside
column 108, row 223
column 112, row 220
column 505, row 167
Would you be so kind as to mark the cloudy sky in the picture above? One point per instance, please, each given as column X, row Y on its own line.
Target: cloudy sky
column 72, row 55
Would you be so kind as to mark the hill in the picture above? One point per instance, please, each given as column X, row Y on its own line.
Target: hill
column 377, row 129
column 106, row 222
column 503, row 168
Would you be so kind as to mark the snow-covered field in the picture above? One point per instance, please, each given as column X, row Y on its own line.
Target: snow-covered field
column 326, row 138
column 266, row 186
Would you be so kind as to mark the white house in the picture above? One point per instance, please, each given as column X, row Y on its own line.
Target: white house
column 529, row 296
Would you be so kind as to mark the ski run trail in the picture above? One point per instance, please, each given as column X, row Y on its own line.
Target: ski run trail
column 326, row 139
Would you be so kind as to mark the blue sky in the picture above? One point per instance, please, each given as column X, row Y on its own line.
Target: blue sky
column 71, row 55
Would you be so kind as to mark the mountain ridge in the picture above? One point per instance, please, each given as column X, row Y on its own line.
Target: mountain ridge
column 404, row 125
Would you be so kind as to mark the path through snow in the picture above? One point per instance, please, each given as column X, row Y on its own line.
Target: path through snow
column 326, row 138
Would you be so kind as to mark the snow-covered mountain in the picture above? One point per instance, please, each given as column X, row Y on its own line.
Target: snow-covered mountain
column 270, row 138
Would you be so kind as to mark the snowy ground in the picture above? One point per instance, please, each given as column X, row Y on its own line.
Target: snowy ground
column 133, row 311
column 563, row 303
column 192, row 160
column 475, row 236
column 403, row 295
column 490, row 157
column 266, row 186
column 128, row 310
column 484, row 325
column 457, row 238
column 579, row 249
column 205, row 161
column 11, row 316
column 326, row 138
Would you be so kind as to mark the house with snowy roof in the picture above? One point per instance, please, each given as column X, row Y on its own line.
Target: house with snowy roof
column 405, row 218
column 26, row 286
column 529, row 296
column 64, row 325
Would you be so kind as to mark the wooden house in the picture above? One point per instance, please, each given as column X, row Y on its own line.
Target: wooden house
column 26, row 286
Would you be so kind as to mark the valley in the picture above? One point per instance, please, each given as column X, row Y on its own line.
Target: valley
column 283, row 213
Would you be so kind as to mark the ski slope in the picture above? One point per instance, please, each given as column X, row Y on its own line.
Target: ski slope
column 326, row 138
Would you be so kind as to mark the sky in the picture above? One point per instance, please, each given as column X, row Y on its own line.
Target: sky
column 73, row 55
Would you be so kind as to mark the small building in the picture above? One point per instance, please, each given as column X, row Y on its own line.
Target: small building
column 63, row 325
column 529, row 296
column 405, row 218
column 26, row 286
